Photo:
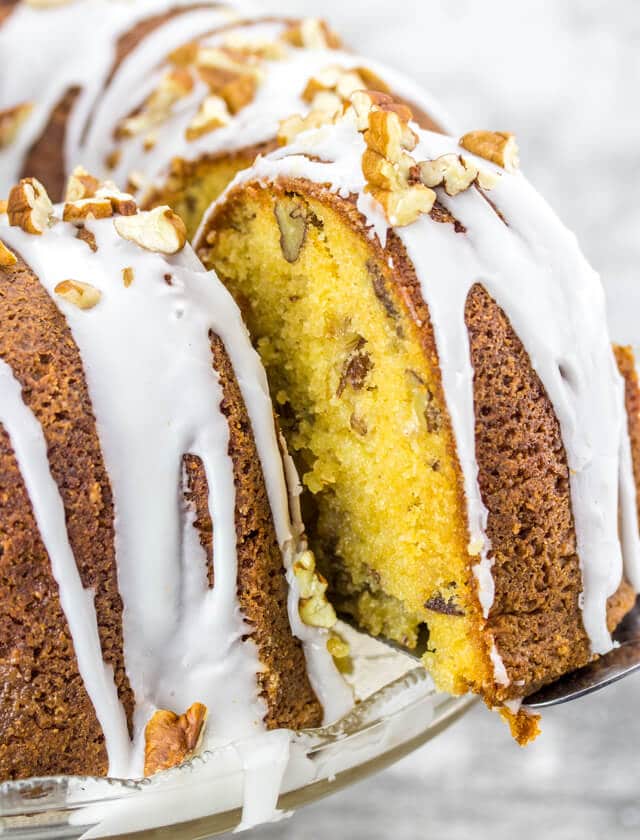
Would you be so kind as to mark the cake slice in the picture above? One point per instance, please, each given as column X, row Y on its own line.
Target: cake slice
column 153, row 567
column 437, row 349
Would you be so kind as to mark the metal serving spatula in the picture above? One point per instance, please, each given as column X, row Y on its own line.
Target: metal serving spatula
column 613, row 666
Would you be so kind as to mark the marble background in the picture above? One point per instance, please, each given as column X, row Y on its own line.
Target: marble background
column 564, row 76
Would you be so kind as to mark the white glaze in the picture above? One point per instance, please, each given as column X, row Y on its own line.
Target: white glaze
column 499, row 671
column 148, row 365
column 30, row 450
column 217, row 783
column 264, row 759
column 535, row 271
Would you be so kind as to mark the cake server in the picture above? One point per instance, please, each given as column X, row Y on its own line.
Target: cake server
column 620, row 662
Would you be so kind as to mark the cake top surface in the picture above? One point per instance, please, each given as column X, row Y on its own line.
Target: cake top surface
column 142, row 310
column 224, row 91
column 466, row 215
column 207, row 79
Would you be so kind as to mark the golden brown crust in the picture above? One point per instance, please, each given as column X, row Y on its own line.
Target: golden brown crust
column 627, row 367
column 262, row 587
column 41, row 684
column 196, row 495
column 524, row 481
column 624, row 599
column 46, row 712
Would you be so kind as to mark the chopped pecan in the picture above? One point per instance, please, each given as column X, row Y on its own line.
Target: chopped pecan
column 11, row 121
column 499, row 147
column 359, row 425
column 356, row 368
column 159, row 230
column 170, row 739
column 88, row 237
column 82, row 295
column 291, row 217
column 7, row 257
column 312, row 33
column 29, row 207
column 380, row 289
column 437, row 603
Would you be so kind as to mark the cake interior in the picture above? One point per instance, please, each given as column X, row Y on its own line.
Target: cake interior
column 192, row 186
column 361, row 408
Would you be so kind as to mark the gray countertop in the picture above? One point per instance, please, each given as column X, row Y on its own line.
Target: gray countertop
column 564, row 76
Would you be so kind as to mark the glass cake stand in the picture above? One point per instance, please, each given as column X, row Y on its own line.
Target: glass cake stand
column 398, row 711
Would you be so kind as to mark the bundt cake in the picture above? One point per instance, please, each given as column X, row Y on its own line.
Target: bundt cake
column 153, row 567
column 438, row 352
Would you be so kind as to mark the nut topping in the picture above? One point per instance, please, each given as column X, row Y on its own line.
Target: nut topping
column 127, row 276
column 328, row 93
column 11, row 121
column 406, row 206
column 121, row 202
column 174, row 85
column 451, row 171
column 239, row 92
column 170, row 738
column 113, row 158
column 312, row 33
column 86, row 208
column 82, row 188
column 184, row 55
column 499, row 147
column 82, row 295
column 386, row 163
column 318, row 612
column 231, row 75
column 7, row 257
column 326, row 108
column 257, row 47
column 80, row 185
column 212, row 113
column 335, row 80
column 29, row 207
column 159, row 230
column 389, row 134
column 88, row 237
column 380, row 172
